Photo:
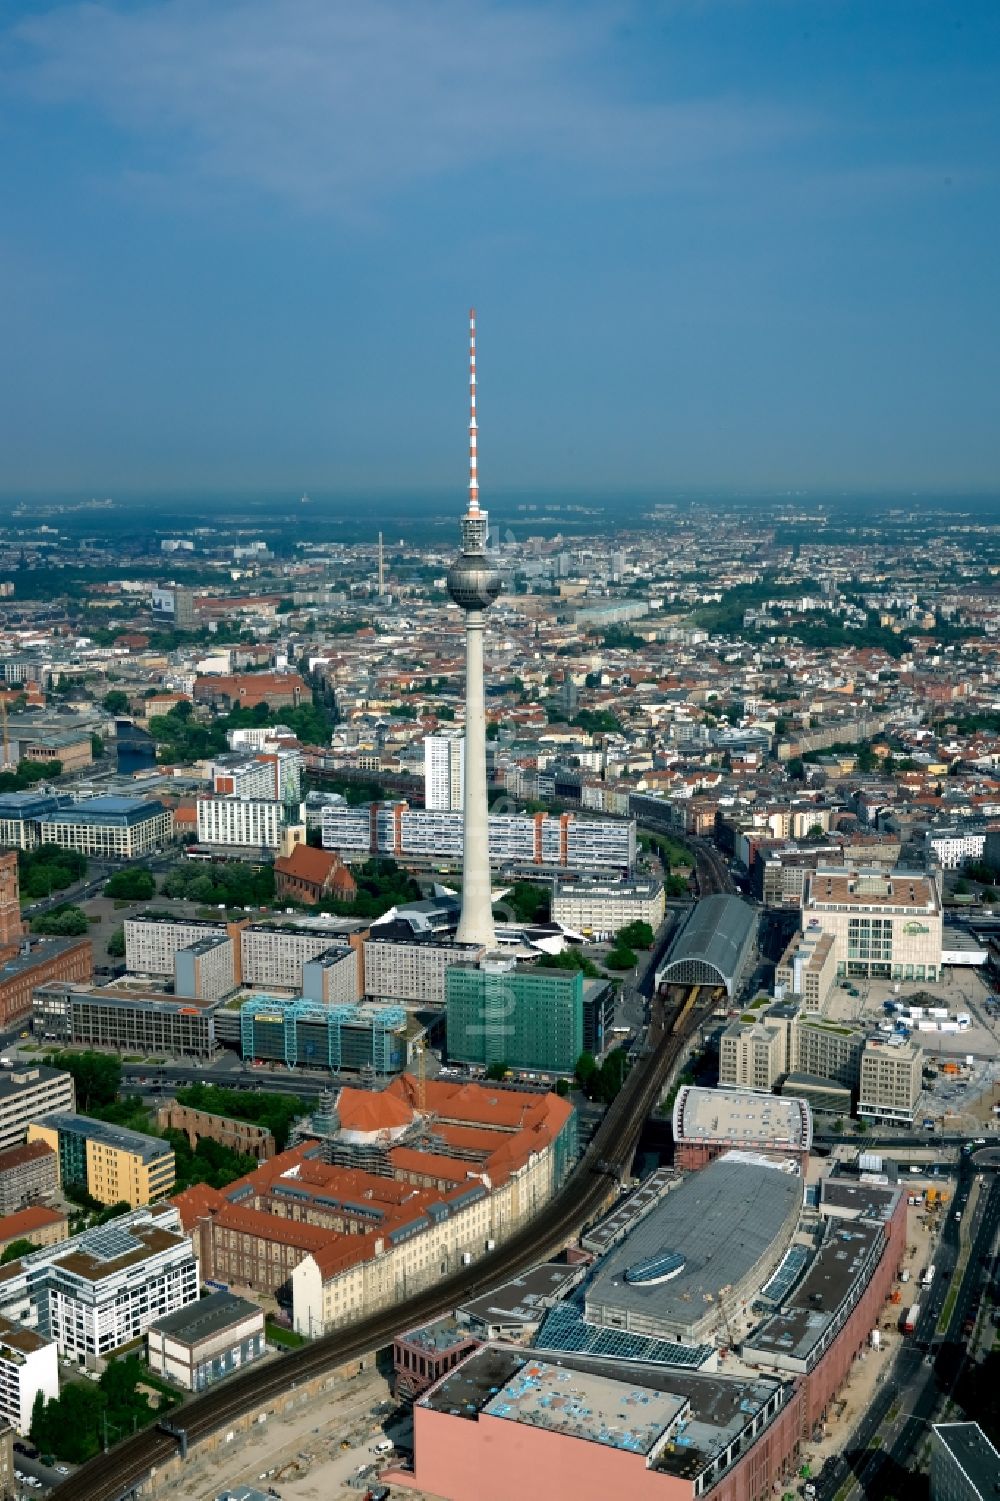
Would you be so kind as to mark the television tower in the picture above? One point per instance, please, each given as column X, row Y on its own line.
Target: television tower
column 474, row 584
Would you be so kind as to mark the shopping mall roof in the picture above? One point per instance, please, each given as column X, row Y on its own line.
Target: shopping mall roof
column 796, row 1335
column 722, row 1221
column 742, row 1119
column 117, row 812
column 712, row 945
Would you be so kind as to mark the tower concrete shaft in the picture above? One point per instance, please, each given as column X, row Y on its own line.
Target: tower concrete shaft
column 474, row 583
column 475, row 925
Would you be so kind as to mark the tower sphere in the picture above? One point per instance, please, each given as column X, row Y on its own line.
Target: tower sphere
column 473, row 582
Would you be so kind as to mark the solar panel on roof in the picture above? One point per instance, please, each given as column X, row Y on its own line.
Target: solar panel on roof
column 564, row 1328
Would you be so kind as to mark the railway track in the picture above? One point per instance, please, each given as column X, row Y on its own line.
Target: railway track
column 111, row 1476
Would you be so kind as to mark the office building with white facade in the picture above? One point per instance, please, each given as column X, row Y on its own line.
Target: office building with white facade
column 29, row 1364
column 103, row 1288
column 28, row 1093
column 241, row 822
column 606, row 906
column 885, row 924
column 121, row 828
column 412, row 972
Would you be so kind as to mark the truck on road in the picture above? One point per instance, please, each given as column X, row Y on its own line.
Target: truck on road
column 910, row 1318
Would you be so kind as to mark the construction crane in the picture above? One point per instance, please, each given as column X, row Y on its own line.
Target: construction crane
column 421, row 1055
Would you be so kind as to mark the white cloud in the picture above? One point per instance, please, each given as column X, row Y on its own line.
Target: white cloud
column 334, row 103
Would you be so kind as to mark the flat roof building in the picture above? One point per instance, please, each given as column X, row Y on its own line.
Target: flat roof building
column 115, row 827
column 708, row 1122
column 26, row 1094
column 129, row 1021
column 526, row 1018
column 605, row 906
column 114, row 1164
column 964, row 1464
column 200, row 1343
column 319, row 1035
column 29, row 1365
column 102, row 1289
column 581, row 1427
column 885, row 924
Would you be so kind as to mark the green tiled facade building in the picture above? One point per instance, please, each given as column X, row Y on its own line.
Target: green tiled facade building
column 526, row 1018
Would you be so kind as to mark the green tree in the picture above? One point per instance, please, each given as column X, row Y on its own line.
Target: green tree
column 611, row 1076
column 497, row 1071
column 96, row 747
column 635, row 935
column 116, row 944
column 48, row 869
column 621, row 957
column 585, row 1069
column 97, row 1076
column 16, row 1250
column 814, row 834
column 64, row 922
column 27, row 773
column 796, row 769
column 115, row 702
column 570, row 958
column 134, row 884
column 529, row 903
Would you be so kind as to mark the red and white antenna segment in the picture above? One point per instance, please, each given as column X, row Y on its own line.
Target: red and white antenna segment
column 473, row 470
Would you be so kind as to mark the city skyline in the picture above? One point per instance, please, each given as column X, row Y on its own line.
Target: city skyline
column 716, row 246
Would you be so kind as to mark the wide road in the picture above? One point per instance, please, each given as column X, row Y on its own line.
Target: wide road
column 111, row 1476
column 884, row 1446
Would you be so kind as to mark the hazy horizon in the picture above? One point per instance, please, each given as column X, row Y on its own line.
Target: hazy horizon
column 714, row 246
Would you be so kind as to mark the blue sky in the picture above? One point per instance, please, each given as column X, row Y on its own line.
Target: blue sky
column 735, row 244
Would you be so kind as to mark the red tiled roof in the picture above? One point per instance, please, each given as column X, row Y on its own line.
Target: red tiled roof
column 24, row 1221
column 370, row 1110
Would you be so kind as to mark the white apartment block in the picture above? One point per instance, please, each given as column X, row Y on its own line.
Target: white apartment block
column 606, row 906
column 412, row 973
column 236, row 822
column 274, row 772
column 885, row 924
column 564, row 840
column 151, row 943
column 444, row 771
column 28, row 1093
column 953, row 848
column 103, row 1288
column 245, row 777
column 272, row 958
column 29, row 1364
column 257, row 737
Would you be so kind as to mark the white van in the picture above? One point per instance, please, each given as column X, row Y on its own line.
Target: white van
column 384, row 1446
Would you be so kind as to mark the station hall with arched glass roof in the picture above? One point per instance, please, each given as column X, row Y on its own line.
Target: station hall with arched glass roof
column 713, row 946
